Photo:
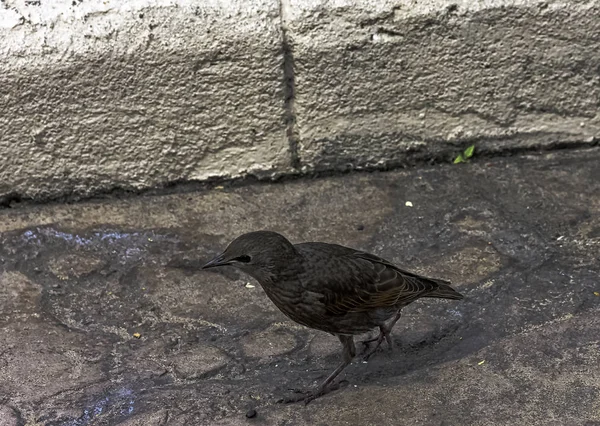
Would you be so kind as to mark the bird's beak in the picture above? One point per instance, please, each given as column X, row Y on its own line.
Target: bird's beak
column 217, row 261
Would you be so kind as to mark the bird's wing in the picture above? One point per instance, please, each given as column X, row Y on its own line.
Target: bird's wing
column 371, row 282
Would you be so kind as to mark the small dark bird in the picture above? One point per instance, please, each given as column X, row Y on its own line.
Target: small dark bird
column 331, row 288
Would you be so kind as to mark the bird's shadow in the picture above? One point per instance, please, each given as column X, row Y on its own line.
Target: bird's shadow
column 451, row 340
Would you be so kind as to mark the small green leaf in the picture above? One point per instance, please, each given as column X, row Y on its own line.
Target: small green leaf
column 468, row 153
column 459, row 159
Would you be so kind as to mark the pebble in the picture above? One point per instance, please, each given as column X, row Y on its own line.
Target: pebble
column 251, row 413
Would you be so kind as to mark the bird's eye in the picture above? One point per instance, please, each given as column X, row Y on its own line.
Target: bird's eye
column 244, row 259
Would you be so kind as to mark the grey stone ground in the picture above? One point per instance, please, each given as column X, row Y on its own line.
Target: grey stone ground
column 520, row 238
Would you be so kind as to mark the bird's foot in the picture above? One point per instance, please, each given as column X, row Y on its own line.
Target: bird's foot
column 308, row 396
column 383, row 335
column 369, row 352
column 369, row 341
column 298, row 396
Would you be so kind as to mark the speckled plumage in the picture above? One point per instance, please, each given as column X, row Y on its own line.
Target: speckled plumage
column 329, row 287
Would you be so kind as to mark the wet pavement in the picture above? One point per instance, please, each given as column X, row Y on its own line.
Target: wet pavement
column 106, row 319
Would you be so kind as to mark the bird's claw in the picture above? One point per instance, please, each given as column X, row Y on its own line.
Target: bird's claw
column 369, row 341
column 368, row 354
column 383, row 335
column 308, row 396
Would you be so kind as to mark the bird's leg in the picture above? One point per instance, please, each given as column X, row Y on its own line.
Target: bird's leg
column 349, row 352
column 385, row 332
column 366, row 342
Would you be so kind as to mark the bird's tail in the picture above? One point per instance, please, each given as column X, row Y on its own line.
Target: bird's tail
column 444, row 291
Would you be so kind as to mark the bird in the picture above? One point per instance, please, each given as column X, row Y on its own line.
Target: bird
column 332, row 288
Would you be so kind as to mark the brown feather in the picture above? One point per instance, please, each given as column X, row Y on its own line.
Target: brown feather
column 356, row 281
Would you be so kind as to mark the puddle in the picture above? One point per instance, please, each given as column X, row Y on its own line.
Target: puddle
column 127, row 245
column 121, row 403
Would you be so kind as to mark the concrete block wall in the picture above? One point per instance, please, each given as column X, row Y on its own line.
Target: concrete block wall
column 417, row 79
column 130, row 94
column 137, row 94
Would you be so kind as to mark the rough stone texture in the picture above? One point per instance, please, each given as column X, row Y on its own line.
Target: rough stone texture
column 199, row 361
column 390, row 82
column 520, row 237
column 100, row 94
column 8, row 417
column 269, row 343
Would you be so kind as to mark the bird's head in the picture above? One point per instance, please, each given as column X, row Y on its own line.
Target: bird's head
column 260, row 254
